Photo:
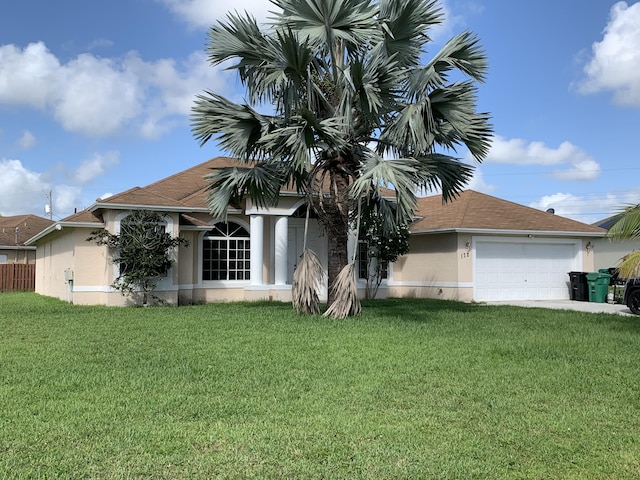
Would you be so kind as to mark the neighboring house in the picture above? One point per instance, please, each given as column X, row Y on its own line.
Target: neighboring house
column 608, row 253
column 475, row 248
column 14, row 232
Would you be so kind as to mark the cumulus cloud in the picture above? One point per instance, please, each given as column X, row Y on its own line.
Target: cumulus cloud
column 21, row 190
column 615, row 60
column 26, row 191
column 96, row 166
column 479, row 184
column 98, row 96
column 27, row 140
column 204, row 13
column 65, row 199
column 587, row 208
column 573, row 163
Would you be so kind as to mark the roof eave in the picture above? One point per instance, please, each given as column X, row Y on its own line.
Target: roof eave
column 59, row 226
column 491, row 231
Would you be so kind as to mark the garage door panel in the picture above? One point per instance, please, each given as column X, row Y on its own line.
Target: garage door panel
column 522, row 271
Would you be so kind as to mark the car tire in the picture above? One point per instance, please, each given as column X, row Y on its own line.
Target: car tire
column 633, row 302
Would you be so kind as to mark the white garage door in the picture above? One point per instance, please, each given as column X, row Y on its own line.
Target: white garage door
column 523, row 271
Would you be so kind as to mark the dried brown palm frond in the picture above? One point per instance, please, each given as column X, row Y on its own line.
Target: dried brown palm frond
column 306, row 283
column 346, row 302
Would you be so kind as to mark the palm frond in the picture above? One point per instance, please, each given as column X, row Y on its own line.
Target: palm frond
column 346, row 302
column 323, row 22
column 461, row 53
column 439, row 171
column 306, row 283
column 627, row 225
column 229, row 185
column 629, row 266
column 401, row 174
column 238, row 128
column 405, row 24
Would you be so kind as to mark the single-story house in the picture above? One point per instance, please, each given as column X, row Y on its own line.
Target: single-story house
column 14, row 232
column 476, row 248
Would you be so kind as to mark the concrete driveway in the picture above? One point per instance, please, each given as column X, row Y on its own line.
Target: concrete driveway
column 590, row 307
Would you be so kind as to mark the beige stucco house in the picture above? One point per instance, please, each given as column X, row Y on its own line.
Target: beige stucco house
column 476, row 248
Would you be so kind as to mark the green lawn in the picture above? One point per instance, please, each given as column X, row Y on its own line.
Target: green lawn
column 415, row 389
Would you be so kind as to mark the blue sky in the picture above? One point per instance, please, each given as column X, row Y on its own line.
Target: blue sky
column 95, row 98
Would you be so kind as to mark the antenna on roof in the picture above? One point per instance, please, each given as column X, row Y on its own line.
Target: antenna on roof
column 48, row 208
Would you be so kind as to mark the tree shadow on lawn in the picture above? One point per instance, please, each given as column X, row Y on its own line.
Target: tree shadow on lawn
column 420, row 310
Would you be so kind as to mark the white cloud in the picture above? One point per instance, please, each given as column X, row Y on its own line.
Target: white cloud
column 28, row 77
column 615, row 62
column 573, row 162
column 100, row 96
column 27, row 140
column 21, row 190
column 478, row 183
column 65, row 199
column 96, row 166
column 25, row 191
column 204, row 13
column 587, row 208
column 177, row 85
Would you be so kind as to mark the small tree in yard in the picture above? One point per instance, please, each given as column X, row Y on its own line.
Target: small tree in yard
column 143, row 251
column 384, row 244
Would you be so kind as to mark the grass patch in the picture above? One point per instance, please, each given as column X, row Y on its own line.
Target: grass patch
column 409, row 389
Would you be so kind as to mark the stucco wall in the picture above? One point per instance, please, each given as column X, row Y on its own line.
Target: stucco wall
column 608, row 253
column 20, row 255
column 433, row 268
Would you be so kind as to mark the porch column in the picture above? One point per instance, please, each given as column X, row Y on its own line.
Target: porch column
column 281, row 249
column 257, row 248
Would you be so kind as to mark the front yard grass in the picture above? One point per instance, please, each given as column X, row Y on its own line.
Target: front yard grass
column 410, row 389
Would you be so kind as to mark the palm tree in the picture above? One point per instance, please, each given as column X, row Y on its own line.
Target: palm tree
column 627, row 227
column 352, row 110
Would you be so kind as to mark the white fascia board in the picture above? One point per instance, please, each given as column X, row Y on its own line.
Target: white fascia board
column 158, row 208
column 488, row 231
column 59, row 226
column 16, row 247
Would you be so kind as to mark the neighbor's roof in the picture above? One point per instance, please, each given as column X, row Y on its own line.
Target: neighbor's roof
column 26, row 226
column 474, row 211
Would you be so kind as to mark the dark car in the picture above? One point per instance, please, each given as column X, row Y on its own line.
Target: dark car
column 632, row 295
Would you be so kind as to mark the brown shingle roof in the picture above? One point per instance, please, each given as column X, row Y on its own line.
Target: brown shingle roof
column 472, row 210
column 183, row 189
column 27, row 226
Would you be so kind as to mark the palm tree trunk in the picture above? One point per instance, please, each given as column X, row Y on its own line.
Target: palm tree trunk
column 336, row 222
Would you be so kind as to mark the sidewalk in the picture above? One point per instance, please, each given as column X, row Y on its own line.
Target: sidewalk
column 590, row 307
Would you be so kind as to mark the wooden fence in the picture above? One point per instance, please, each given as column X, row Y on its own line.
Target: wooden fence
column 17, row 277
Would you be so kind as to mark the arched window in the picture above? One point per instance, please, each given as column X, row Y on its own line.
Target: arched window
column 226, row 253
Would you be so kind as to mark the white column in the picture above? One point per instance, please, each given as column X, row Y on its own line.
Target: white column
column 257, row 248
column 281, row 249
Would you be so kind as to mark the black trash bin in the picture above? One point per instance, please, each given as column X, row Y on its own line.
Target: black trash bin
column 579, row 286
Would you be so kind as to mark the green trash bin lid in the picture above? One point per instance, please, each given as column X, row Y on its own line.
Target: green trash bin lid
column 592, row 277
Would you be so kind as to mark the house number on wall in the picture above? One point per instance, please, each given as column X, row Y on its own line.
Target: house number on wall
column 465, row 255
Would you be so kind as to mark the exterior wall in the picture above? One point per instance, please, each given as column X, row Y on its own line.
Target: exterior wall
column 433, row 268
column 23, row 255
column 55, row 254
column 608, row 253
column 442, row 266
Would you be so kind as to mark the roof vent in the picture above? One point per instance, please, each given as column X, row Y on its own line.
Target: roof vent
column 551, row 211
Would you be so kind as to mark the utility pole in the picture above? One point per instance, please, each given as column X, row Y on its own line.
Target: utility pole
column 48, row 208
